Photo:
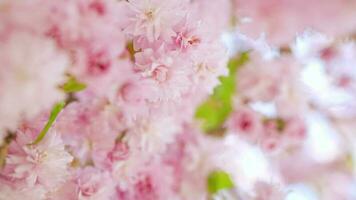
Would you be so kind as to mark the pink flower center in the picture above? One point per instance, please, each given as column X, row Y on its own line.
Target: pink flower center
column 38, row 156
column 184, row 41
column 160, row 74
column 98, row 7
column 120, row 152
column 327, row 53
column 145, row 186
column 97, row 64
column 244, row 123
column 88, row 191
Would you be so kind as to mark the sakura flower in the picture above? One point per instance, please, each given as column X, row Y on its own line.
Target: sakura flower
column 90, row 31
column 246, row 122
column 153, row 18
column 209, row 64
column 131, row 98
column 119, row 152
column 36, row 163
column 153, row 182
column 29, row 64
column 164, row 76
column 90, row 129
column 87, row 184
column 282, row 133
column 260, row 79
column 272, row 134
column 330, row 61
column 146, row 66
column 195, row 159
column 340, row 66
column 93, row 184
column 191, row 31
column 258, row 84
column 310, row 44
column 152, row 136
column 281, row 20
column 145, row 140
column 22, row 192
column 217, row 23
column 18, row 15
column 126, row 171
column 187, row 35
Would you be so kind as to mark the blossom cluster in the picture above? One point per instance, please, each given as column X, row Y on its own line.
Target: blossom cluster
column 173, row 99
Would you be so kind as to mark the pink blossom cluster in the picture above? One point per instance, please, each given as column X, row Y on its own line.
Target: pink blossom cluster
column 99, row 100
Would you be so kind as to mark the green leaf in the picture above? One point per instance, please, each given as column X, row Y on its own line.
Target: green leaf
column 52, row 118
column 73, row 85
column 219, row 180
column 214, row 111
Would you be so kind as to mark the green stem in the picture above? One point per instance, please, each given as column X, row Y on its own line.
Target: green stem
column 52, row 118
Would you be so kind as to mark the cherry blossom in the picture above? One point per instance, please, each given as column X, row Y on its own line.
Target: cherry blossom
column 35, row 163
column 177, row 99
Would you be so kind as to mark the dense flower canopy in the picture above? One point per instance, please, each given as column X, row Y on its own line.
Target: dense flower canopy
column 177, row 100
